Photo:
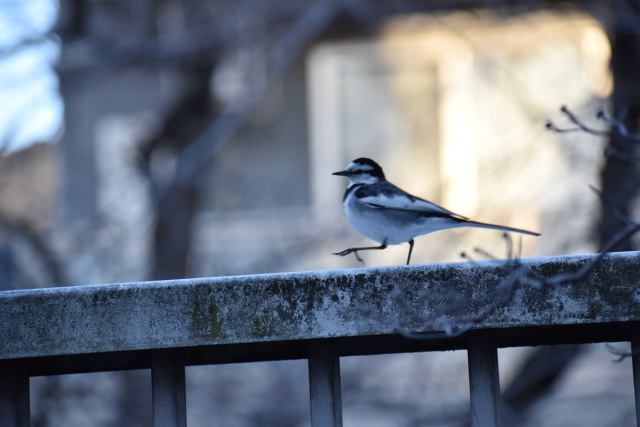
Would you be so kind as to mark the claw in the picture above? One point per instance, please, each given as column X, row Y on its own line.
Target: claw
column 348, row 251
column 343, row 253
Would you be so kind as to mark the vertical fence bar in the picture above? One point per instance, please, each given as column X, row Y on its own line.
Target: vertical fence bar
column 324, row 386
column 14, row 395
column 484, row 381
column 168, row 388
column 635, row 361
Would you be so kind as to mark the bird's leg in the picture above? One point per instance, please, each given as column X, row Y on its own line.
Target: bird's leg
column 355, row 250
column 410, row 250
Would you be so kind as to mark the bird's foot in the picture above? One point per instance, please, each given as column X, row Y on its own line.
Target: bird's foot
column 344, row 253
column 348, row 251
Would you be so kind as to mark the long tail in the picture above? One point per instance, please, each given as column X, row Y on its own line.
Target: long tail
column 497, row 227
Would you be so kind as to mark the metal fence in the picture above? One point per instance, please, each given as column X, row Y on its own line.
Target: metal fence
column 319, row 316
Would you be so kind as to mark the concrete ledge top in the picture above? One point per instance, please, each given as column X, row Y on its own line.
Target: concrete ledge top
column 319, row 304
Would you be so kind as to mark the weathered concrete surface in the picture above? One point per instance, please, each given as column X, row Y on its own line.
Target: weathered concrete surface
column 281, row 307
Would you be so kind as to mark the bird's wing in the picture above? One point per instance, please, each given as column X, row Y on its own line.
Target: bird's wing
column 388, row 196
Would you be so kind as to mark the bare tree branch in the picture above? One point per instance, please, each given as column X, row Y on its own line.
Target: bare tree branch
column 608, row 203
column 283, row 53
column 510, row 289
column 40, row 246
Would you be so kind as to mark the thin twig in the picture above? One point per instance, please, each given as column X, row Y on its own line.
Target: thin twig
column 580, row 125
column 622, row 355
column 619, row 124
column 618, row 127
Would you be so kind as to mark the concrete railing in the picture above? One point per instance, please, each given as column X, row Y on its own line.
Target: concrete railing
column 320, row 316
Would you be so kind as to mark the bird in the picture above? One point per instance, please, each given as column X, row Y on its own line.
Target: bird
column 391, row 216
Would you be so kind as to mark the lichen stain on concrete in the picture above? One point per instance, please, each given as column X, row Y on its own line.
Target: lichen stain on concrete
column 262, row 325
column 288, row 307
column 204, row 318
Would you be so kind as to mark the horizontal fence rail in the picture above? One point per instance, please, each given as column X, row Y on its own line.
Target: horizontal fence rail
column 320, row 316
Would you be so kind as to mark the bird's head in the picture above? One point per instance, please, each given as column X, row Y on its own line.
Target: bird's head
column 362, row 171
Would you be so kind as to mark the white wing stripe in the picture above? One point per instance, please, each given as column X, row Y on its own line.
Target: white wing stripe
column 404, row 202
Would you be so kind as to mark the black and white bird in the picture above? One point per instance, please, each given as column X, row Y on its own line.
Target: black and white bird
column 390, row 216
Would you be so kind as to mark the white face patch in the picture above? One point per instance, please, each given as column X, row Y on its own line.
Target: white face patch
column 364, row 176
column 355, row 167
column 362, row 171
column 358, row 167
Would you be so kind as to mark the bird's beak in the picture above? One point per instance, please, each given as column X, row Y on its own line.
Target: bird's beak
column 341, row 173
